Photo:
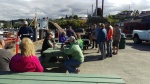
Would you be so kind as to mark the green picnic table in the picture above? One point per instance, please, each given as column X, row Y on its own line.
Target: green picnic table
column 58, row 78
column 57, row 53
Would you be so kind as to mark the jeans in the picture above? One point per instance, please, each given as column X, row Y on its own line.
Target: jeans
column 102, row 50
column 71, row 65
column 109, row 48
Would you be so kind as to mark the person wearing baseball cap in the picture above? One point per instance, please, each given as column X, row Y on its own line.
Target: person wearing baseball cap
column 77, row 56
column 25, row 31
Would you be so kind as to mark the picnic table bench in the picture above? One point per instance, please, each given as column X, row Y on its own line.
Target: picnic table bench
column 58, row 78
column 49, row 53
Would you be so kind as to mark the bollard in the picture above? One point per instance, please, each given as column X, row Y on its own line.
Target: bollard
column 17, row 43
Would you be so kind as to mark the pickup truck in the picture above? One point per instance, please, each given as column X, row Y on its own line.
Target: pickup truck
column 141, row 35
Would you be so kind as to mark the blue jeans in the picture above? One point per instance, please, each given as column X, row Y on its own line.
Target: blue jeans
column 109, row 48
column 102, row 50
column 71, row 65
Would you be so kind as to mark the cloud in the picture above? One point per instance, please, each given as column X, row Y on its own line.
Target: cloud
column 15, row 9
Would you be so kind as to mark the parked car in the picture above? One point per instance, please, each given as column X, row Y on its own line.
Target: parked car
column 141, row 35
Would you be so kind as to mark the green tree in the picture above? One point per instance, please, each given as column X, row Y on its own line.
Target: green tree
column 70, row 17
column 75, row 17
column 112, row 19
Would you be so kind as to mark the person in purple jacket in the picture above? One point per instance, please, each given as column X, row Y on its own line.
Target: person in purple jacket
column 62, row 38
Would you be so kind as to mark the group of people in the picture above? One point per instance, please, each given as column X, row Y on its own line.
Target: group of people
column 27, row 61
column 74, row 51
column 105, row 36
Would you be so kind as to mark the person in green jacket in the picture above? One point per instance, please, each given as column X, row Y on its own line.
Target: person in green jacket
column 76, row 52
column 80, row 41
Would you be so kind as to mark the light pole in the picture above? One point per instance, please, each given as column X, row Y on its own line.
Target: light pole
column 35, row 27
column 102, row 7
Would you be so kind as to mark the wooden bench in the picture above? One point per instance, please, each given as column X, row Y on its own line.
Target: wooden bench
column 58, row 78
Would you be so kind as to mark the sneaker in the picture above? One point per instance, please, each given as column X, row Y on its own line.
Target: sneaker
column 110, row 56
column 77, row 71
column 113, row 53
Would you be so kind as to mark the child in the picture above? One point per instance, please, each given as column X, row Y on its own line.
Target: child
column 62, row 38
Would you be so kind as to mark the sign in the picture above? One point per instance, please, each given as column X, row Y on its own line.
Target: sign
column 44, row 23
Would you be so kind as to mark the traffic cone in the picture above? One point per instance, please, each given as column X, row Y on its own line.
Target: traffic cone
column 17, row 43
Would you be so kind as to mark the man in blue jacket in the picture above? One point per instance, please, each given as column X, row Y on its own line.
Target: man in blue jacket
column 25, row 31
column 101, row 39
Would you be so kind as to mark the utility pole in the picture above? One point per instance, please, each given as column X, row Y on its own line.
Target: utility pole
column 35, row 27
column 96, row 7
column 92, row 9
column 102, row 7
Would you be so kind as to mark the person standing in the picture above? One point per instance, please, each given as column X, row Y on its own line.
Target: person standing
column 95, row 33
column 25, row 31
column 5, row 57
column 109, row 39
column 101, row 40
column 116, row 39
column 70, row 32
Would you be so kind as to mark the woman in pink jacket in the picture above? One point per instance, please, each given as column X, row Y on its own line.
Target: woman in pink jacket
column 26, row 61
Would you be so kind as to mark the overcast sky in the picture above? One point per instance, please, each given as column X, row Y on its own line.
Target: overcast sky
column 15, row 9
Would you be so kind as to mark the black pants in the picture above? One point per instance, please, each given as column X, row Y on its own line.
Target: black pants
column 94, row 42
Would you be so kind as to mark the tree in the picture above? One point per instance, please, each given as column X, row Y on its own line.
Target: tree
column 75, row 17
column 70, row 17
column 112, row 19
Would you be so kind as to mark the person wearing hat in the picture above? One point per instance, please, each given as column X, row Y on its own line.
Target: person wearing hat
column 77, row 56
column 25, row 31
column 116, row 39
column 5, row 56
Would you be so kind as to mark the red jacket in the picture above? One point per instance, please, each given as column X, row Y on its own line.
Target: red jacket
column 110, row 33
column 21, row 63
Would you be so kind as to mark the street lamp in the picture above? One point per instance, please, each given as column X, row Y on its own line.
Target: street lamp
column 102, row 7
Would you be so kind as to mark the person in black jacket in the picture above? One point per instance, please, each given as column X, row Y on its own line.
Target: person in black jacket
column 47, row 43
column 25, row 31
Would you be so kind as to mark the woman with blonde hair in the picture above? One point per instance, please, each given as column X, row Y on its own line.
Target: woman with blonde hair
column 26, row 61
